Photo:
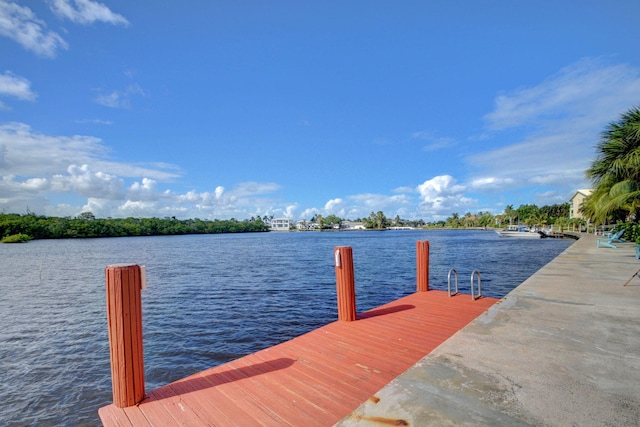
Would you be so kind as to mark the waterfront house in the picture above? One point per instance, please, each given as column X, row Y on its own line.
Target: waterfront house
column 280, row 224
column 576, row 203
column 303, row 225
column 352, row 225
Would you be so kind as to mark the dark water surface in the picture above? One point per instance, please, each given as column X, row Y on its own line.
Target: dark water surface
column 209, row 299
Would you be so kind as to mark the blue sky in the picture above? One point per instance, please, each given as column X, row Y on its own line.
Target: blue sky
column 215, row 109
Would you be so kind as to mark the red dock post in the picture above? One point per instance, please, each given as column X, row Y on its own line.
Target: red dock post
column 345, row 283
column 124, row 317
column 422, row 265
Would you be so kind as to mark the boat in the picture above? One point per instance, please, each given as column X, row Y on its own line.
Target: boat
column 520, row 231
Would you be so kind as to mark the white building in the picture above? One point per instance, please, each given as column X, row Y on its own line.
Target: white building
column 303, row 225
column 280, row 224
column 576, row 203
column 352, row 225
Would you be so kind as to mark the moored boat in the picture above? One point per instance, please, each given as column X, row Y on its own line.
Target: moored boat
column 520, row 231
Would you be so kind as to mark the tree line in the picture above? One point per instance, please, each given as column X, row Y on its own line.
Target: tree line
column 18, row 227
column 375, row 221
column 86, row 225
column 23, row 227
column 529, row 214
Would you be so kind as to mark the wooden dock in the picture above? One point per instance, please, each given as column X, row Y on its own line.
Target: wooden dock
column 315, row 379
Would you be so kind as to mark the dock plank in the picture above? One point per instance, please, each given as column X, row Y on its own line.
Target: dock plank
column 296, row 385
column 315, row 379
column 271, row 385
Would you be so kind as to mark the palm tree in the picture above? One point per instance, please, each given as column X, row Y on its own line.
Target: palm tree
column 510, row 213
column 616, row 169
column 380, row 220
column 377, row 220
column 538, row 219
column 454, row 220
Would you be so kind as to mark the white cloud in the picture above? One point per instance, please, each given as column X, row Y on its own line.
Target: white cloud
column 114, row 99
column 244, row 200
column 106, row 196
column 16, row 86
column 405, row 189
column 129, row 208
column 564, row 154
column 309, row 213
column 245, row 189
column 289, row 211
column 21, row 25
column 334, row 205
column 378, row 202
column 35, row 167
column 101, row 208
column 490, row 183
column 360, row 205
column 556, row 124
column 96, row 121
column 27, row 153
column 59, row 210
column 439, row 186
column 219, row 192
column 119, row 98
column 21, row 196
column 86, row 12
column 189, row 197
column 147, row 190
column 549, row 198
column 31, row 185
column 586, row 88
column 441, row 196
column 24, row 152
column 86, row 183
column 432, row 142
column 35, row 184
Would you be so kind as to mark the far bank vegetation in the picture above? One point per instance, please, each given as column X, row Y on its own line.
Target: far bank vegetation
column 31, row 226
column 532, row 215
column 24, row 227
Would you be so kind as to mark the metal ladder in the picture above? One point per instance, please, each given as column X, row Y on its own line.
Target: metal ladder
column 474, row 273
column 453, row 270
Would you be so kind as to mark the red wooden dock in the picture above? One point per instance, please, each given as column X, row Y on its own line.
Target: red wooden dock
column 315, row 379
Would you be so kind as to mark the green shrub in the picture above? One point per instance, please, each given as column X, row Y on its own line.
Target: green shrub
column 16, row 238
column 631, row 231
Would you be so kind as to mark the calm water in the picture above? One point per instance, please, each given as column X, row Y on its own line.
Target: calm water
column 209, row 299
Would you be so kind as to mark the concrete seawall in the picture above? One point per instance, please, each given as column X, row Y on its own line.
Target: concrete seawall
column 561, row 349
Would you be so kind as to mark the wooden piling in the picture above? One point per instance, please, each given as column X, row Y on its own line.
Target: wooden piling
column 422, row 265
column 124, row 317
column 345, row 283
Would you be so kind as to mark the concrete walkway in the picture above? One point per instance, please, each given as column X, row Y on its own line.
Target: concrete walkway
column 562, row 349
